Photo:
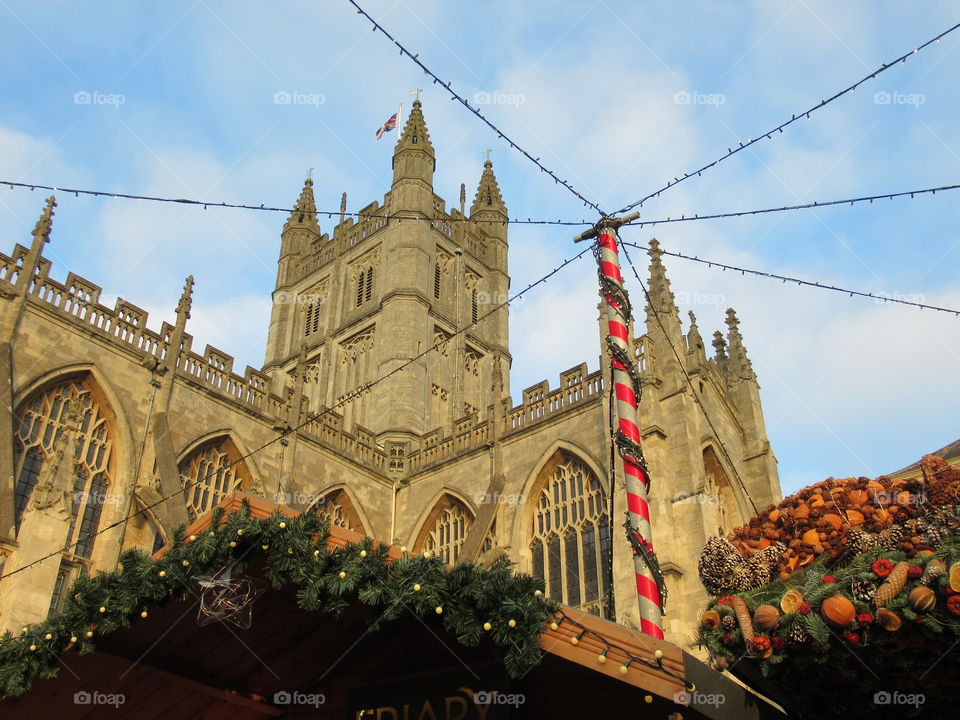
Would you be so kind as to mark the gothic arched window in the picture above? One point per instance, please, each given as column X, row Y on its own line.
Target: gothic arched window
column 339, row 511
column 445, row 529
column 570, row 543
column 41, row 422
column 211, row 473
column 720, row 492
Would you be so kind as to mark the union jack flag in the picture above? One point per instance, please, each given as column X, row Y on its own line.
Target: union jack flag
column 390, row 124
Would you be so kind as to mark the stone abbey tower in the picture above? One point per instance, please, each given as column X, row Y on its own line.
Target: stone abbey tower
column 111, row 416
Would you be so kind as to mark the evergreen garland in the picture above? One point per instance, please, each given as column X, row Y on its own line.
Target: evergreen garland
column 296, row 553
column 832, row 663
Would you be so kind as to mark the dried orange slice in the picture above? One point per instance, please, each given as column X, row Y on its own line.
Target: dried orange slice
column 790, row 602
column 811, row 537
column 955, row 577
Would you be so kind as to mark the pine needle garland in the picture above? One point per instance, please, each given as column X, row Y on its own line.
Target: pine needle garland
column 327, row 580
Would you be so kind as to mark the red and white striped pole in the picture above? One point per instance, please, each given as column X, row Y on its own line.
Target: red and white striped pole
column 620, row 345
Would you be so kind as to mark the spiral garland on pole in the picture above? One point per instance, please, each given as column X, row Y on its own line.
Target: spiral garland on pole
column 626, row 436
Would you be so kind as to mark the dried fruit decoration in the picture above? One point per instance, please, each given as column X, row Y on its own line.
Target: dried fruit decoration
column 953, row 604
column 882, row 567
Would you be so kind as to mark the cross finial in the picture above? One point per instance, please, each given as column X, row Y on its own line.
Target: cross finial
column 310, row 173
column 416, row 93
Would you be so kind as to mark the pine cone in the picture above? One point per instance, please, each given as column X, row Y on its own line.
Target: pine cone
column 935, row 568
column 892, row 585
column 744, row 619
column 799, row 634
column 863, row 590
column 729, row 622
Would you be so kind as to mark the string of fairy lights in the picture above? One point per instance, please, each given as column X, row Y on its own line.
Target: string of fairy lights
column 769, row 135
column 454, row 95
column 878, row 296
column 205, row 204
column 313, row 417
column 611, row 650
column 608, row 646
column 805, row 283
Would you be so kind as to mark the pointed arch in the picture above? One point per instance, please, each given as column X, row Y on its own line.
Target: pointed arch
column 732, row 510
column 445, row 526
column 100, row 456
column 338, row 507
column 211, row 468
column 567, row 529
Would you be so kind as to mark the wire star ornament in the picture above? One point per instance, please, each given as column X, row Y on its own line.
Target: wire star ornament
column 227, row 599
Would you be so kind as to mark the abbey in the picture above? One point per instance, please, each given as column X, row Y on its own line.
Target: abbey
column 111, row 417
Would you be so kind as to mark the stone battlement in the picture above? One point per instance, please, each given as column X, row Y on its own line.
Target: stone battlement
column 577, row 385
column 125, row 326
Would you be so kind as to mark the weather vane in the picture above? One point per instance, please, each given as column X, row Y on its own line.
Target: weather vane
column 416, row 93
column 310, row 173
column 486, row 153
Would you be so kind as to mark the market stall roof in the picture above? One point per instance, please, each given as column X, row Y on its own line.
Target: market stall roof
column 166, row 666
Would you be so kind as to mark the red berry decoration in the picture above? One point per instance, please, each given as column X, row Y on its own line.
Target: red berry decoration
column 776, row 642
column 852, row 638
column 865, row 618
column 805, row 608
column 726, row 600
column 827, row 579
column 882, row 567
column 728, row 638
column 953, row 604
column 760, row 644
column 914, row 572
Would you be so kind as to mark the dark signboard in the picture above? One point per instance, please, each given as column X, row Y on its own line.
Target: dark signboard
column 460, row 695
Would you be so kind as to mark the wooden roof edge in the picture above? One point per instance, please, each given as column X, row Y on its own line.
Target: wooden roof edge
column 588, row 649
column 739, row 701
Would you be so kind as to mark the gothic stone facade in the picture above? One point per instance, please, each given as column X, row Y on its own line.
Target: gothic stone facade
column 110, row 416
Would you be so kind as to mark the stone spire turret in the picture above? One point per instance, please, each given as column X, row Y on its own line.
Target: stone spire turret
column 304, row 213
column 663, row 316
column 186, row 301
column 695, row 341
column 299, row 231
column 488, row 199
column 414, row 158
column 41, row 231
column 720, row 351
column 740, row 367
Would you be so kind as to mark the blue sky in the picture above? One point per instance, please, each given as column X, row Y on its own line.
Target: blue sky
column 616, row 97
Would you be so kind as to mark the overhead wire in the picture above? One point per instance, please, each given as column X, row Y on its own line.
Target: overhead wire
column 454, row 95
column 793, row 118
column 879, row 297
column 312, row 417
